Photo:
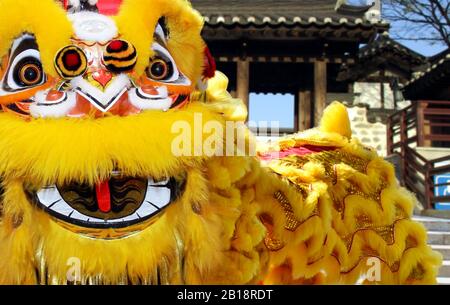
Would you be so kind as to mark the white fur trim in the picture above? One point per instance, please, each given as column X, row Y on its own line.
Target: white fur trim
column 93, row 27
column 162, row 101
column 42, row 108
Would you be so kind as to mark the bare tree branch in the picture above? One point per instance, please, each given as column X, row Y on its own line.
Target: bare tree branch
column 427, row 20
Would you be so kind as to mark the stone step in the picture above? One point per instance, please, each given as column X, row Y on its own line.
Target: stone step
column 445, row 269
column 443, row 249
column 438, row 238
column 443, row 280
column 434, row 224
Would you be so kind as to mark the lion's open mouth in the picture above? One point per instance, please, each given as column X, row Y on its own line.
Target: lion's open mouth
column 119, row 202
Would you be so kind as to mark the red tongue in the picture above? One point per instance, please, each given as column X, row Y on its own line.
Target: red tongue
column 103, row 196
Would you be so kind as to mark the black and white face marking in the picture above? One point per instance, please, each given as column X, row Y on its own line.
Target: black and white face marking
column 25, row 68
column 162, row 67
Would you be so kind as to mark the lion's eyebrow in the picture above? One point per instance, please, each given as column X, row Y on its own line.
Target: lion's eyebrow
column 163, row 23
column 24, row 42
column 161, row 31
column 159, row 36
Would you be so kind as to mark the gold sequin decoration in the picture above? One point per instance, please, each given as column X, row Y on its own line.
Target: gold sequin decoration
column 363, row 222
column 329, row 160
column 303, row 189
column 292, row 223
column 374, row 196
column 387, row 233
column 273, row 244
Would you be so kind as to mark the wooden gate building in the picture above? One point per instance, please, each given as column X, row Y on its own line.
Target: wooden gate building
column 288, row 46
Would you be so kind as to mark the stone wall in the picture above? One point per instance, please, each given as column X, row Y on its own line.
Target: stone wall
column 368, row 126
column 369, row 120
column 370, row 134
column 369, row 94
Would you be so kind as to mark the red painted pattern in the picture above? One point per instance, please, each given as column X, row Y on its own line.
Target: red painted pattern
column 72, row 60
column 105, row 7
column 116, row 45
column 294, row 151
column 109, row 7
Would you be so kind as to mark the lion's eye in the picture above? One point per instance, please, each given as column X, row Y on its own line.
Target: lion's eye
column 159, row 69
column 28, row 72
column 25, row 68
column 162, row 68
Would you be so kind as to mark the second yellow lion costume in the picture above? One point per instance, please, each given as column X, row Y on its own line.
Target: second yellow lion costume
column 91, row 180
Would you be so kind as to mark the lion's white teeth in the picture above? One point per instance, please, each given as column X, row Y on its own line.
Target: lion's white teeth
column 159, row 196
column 61, row 207
column 49, row 196
column 147, row 209
column 78, row 216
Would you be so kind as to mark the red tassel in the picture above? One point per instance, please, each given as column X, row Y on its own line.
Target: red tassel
column 210, row 64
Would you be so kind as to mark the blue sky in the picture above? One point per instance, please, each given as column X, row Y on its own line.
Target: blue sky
column 424, row 47
column 270, row 107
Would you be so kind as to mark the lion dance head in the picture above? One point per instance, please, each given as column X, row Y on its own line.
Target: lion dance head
column 89, row 95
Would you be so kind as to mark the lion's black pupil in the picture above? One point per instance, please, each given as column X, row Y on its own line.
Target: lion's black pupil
column 158, row 69
column 31, row 74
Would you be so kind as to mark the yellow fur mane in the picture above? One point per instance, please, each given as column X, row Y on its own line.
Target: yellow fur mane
column 43, row 18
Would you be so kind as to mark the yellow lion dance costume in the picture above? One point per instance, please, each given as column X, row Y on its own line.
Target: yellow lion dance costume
column 89, row 174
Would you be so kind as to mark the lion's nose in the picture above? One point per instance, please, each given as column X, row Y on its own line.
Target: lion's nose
column 102, row 77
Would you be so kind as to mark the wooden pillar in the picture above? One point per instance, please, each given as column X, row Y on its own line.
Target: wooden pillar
column 243, row 80
column 304, row 109
column 320, row 89
column 423, row 125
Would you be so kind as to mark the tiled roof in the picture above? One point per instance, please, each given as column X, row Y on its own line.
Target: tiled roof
column 433, row 82
column 438, row 62
column 434, row 77
column 384, row 53
column 385, row 45
column 241, row 13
